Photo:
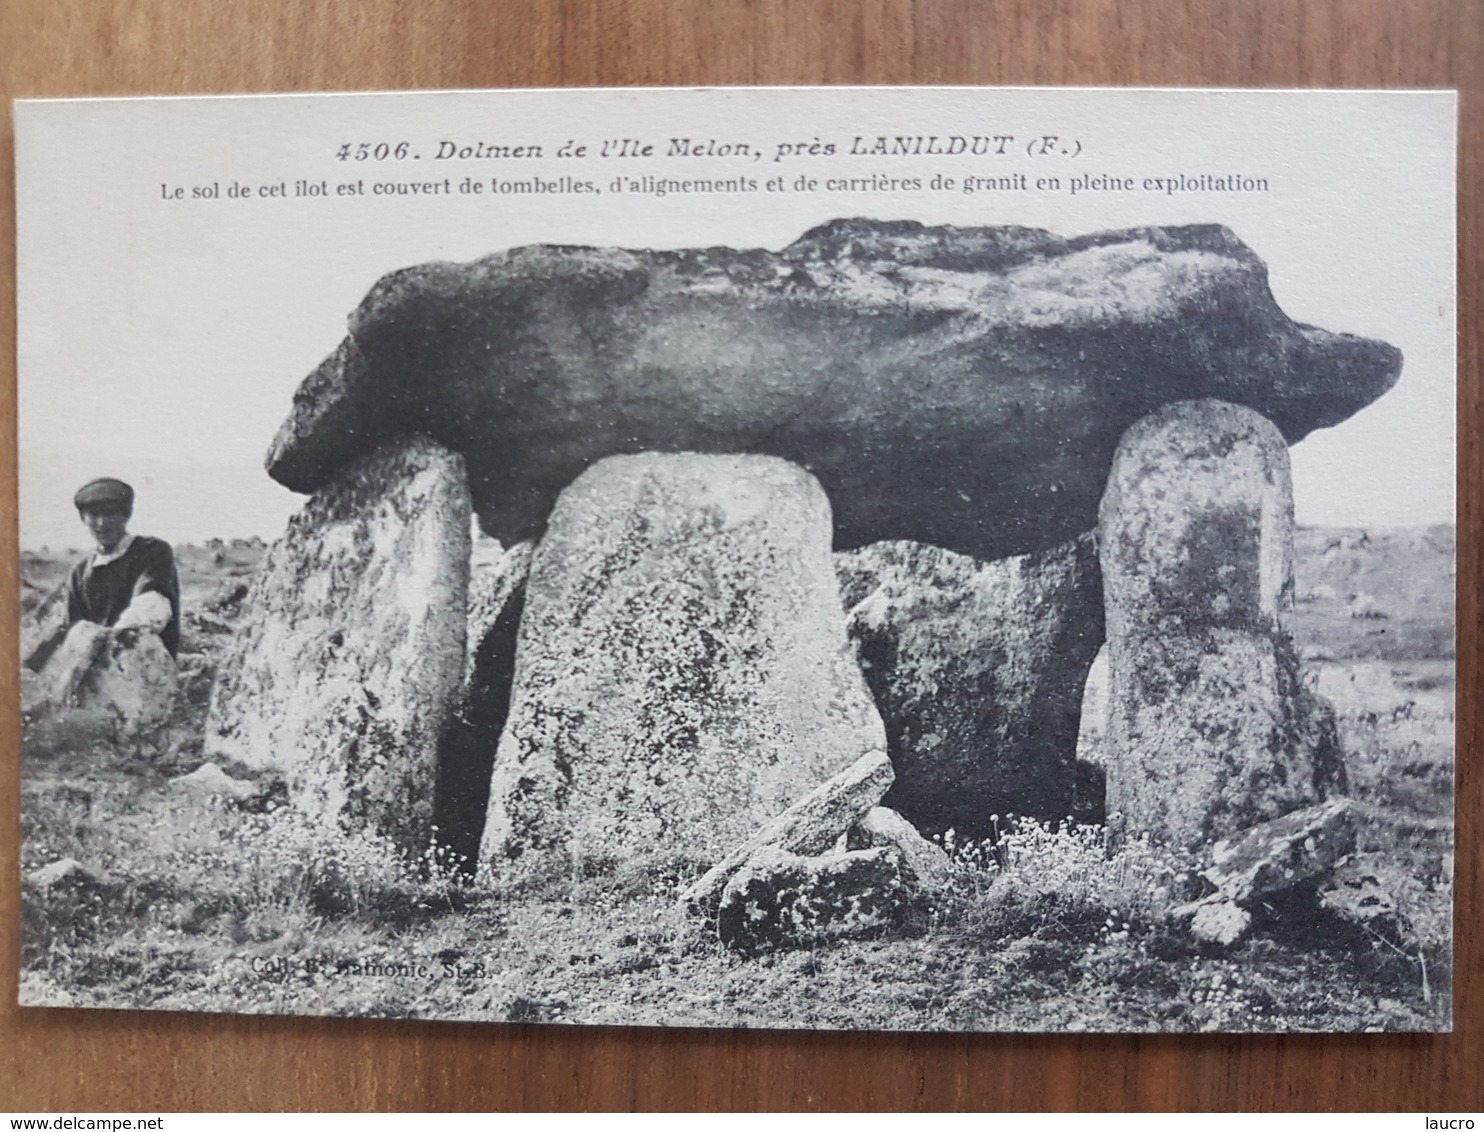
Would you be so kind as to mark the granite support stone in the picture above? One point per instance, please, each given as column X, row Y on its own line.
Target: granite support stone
column 1210, row 727
column 682, row 673
column 351, row 647
column 978, row 670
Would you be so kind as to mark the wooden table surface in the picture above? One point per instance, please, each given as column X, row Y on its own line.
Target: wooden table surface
column 59, row 1060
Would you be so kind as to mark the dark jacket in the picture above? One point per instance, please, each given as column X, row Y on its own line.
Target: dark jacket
column 101, row 593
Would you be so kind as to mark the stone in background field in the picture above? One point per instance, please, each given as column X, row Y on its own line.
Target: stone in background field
column 963, row 387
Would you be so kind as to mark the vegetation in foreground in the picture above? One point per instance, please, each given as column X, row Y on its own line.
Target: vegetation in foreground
column 185, row 904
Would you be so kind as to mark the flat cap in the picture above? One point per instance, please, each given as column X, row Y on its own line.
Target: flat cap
column 104, row 491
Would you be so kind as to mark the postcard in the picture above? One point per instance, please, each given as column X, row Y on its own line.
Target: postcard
column 850, row 558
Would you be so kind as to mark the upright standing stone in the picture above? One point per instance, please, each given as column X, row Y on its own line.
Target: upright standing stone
column 351, row 650
column 978, row 670
column 682, row 673
column 1210, row 728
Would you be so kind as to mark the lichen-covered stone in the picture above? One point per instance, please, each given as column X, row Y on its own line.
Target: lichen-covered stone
column 1089, row 793
column 959, row 387
column 351, row 644
column 1299, row 848
column 925, row 866
column 1210, row 727
column 209, row 780
column 682, row 673
column 977, row 670
column 810, row 826
column 125, row 680
column 1092, row 731
column 43, row 626
column 1295, row 873
column 779, row 899
column 68, row 879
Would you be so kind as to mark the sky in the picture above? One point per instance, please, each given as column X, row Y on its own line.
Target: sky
column 162, row 337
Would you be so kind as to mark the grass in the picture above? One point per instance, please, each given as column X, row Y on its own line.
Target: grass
column 217, row 909
column 209, row 906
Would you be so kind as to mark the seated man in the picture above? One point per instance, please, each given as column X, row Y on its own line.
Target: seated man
column 128, row 586
column 130, row 581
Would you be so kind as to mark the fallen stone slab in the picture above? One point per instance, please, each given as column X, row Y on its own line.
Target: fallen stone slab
column 1285, row 862
column 977, row 669
column 964, row 387
column 66, row 875
column 350, row 646
column 925, row 867
column 780, row 900
column 809, row 827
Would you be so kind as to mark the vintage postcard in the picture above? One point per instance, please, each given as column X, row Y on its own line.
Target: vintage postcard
column 892, row 558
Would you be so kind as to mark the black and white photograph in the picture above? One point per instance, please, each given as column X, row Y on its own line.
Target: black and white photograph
column 935, row 559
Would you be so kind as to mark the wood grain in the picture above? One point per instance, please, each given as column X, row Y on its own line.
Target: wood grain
column 81, row 1060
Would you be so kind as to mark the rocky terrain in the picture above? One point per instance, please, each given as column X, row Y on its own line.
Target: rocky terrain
column 183, row 896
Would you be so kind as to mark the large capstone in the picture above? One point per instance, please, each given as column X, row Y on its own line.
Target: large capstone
column 351, row 647
column 978, row 671
column 682, row 673
column 959, row 387
column 43, row 625
column 1211, row 729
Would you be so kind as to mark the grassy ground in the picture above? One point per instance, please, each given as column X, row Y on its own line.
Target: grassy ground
column 201, row 906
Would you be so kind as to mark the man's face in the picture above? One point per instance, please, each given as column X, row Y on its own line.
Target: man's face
column 107, row 524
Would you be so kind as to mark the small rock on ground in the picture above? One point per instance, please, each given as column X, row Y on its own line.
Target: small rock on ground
column 779, row 900
column 925, row 866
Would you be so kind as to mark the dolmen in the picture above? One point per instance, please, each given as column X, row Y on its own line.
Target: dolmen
column 868, row 506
